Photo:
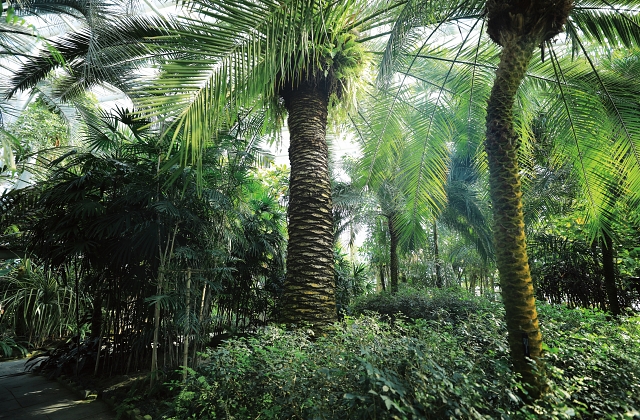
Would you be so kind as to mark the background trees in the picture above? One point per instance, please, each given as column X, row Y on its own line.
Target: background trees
column 123, row 238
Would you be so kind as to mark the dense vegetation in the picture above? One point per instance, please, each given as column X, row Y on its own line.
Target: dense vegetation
column 479, row 256
column 451, row 363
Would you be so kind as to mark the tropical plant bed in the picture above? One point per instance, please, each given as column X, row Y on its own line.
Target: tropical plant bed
column 450, row 367
column 451, row 363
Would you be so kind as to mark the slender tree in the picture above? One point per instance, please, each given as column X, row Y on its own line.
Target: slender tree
column 468, row 64
column 519, row 28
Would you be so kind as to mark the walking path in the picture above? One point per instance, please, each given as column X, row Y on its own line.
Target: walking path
column 27, row 396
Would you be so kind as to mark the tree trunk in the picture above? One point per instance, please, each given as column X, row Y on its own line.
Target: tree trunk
column 156, row 332
column 519, row 27
column 187, row 329
column 96, row 315
column 77, row 311
column 352, row 243
column 309, row 290
column 436, row 255
column 502, row 142
column 608, row 265
column 393, row 254
column 382, row 283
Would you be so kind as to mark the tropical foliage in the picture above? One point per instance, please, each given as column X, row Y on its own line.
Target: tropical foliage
column 454, row 364
column 498, row 153
column 100, row 218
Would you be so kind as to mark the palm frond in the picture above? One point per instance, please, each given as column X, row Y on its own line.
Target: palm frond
column 230, row 58
column 605, row 23
column 92, row 55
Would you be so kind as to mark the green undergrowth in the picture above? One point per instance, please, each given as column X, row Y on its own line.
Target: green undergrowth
column 446, row 366
column 446, row 305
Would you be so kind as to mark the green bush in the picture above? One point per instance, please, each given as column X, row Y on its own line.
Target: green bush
column 369, row 369
column 365, row 369
column 9, row 347
column 596, row 360
column 446, row 305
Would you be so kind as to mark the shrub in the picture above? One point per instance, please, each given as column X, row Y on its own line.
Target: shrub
column 365, row 369
column 594, row 359
column 9, row 347
column 66, row 358
column 420, row 369
column 446, row 305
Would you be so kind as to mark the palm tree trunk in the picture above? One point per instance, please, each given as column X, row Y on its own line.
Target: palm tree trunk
column 608, row 265
column 502, row 143
column 309, row 290
column 393, row 254
column 436, row 255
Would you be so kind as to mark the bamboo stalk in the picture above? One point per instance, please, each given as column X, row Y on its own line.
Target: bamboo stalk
column 156, row 329
column 185, row 354
column 200, row 318
column 95, row 370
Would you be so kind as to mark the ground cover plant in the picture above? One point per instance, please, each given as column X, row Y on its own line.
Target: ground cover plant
column 442, row 367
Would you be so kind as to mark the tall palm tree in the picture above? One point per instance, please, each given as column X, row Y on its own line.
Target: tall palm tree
column 407, row 163
column 520, row 28
column 519, row 38
column 297, row 56
column 467, row 207
column 228, row 59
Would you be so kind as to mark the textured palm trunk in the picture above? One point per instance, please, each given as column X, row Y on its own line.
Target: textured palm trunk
column 309, row 290
column 519, row 27
column 393, row 254
column 502, row 142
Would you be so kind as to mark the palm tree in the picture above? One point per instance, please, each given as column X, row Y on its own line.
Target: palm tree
column 409, row 164
column 519, row 31
column 301, row 57
column 228, row 59
column 467, row 210
column 469, row 62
